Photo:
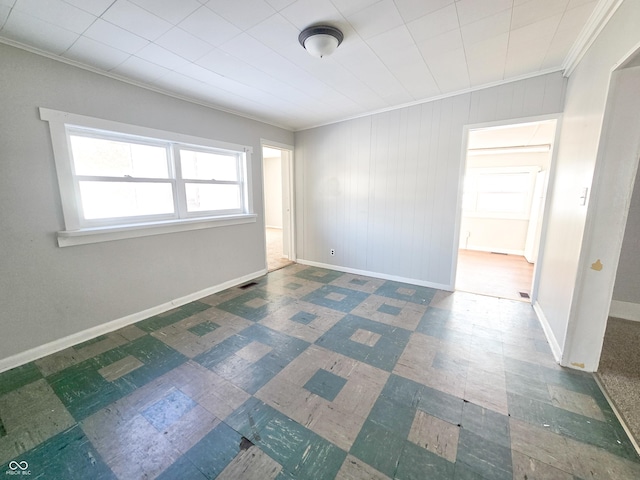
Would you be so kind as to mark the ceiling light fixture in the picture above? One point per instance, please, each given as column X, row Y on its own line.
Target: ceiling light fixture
column 514, row 149
column 320, row 40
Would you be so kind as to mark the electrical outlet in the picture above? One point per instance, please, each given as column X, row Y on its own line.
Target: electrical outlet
column 333, row 252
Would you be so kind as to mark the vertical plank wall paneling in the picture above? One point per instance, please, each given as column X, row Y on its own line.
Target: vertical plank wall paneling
column 382, row 190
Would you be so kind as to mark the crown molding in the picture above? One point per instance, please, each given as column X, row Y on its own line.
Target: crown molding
column 601, row 15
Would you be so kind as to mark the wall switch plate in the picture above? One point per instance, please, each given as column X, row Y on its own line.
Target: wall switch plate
column 583, row 196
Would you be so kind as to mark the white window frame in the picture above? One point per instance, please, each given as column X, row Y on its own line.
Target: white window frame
column 82, row 231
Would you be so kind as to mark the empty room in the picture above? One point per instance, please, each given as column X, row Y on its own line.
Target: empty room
column 237, row 239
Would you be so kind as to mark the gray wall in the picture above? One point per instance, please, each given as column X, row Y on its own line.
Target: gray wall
column 47, row 292
column 627, row 286
column 382, row 190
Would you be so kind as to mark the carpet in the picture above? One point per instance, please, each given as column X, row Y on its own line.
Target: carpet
column 619, row 370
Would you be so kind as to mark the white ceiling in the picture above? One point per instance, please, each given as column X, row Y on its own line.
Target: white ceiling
column 244, row 55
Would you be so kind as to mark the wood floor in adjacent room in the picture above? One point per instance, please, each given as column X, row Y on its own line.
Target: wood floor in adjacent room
column 494, row 274
column 275, row 258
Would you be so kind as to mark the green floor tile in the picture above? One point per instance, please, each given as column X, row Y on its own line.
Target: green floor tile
column 417, row 463
column 400, row 291
column 384, row 354
column 325, row 384
column 378, row 447
column 18, row 377
column 320, row 460
column 462, row 472
column 486, row 423
column 393, row 416
column 203, row 328
column 403, row 391
column 160, row 321
column 183, row 468
column 527, row 387
column 441, row 405
column 484, row 457
column 245, row 305
column 304, row 317
column 3, row 431
column 215, row 451
column 319, row 275
column 284, row 440
column 250, row 418
column 322, row 297
column 68, row 455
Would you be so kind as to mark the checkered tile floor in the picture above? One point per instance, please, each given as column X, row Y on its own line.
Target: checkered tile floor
column 314, row 374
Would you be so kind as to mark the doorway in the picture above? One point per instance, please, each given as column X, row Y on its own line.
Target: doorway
column 278, row 205
column 504, row 189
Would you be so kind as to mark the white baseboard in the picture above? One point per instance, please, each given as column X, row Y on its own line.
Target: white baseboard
column 551, row 338
column 383, row 276
column 625, row 310
column 90, row 333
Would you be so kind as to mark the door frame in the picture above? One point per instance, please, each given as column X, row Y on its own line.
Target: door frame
column 546, row 204
column 288, row 187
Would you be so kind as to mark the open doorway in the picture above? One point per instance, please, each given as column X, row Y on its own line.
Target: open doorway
column 505, row 181
column 278, row 208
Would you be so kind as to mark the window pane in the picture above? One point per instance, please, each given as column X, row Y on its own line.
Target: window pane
column 202, row 197
column 502, row 202
column 504, row 182
column 110, row 158
column 125, row 199
column 208, row 166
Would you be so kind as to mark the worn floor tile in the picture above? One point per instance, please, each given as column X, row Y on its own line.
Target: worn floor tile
column 435, row 435
column 355, row 469
column 30, row 415
column 308, row 373
column 251, row 464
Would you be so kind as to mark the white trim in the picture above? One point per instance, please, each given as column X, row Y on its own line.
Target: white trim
column 68, row 238
column 551, row 338
column 625, row 310
column 383, row 276
column 620, row 418
column 90, row 333
column 273, row 227
column 601, row 15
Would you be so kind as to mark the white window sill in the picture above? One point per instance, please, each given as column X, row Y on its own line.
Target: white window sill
column 68, row 238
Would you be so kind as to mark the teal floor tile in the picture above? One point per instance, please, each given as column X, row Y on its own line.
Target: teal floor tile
column 389, row 309
column 84, row 391
column 18, row 377
column 285, row 440
column 68, row 455
column 183, row 468
column 320, row 460
column 416, row 463
column 325, row 384
column 403, row 391
column 303, row 317
column 203, row 328
column 3, row 431
column 320, row 275
column 215, row 451
column 255, row 304
column 393, row 416
column 462, row 472
column 250, row 418
column 164, row 319
column 484, row 457
column 378, row 447
column 486, row 423
column 325, row 296
column 384, row 354
column 527, row 387
column 406, row 292
column 441, row 405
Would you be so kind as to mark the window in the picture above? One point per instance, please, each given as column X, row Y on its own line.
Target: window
column 118, row 178
column 499, row 192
